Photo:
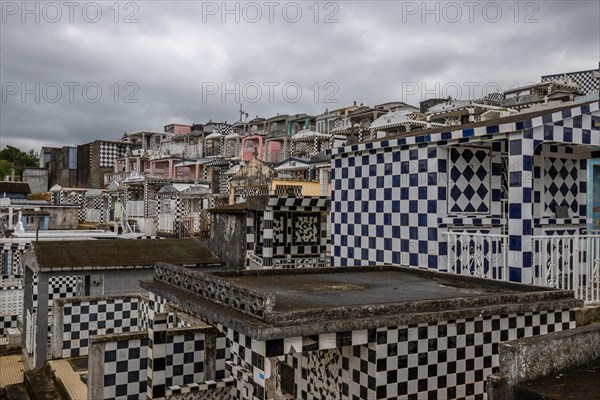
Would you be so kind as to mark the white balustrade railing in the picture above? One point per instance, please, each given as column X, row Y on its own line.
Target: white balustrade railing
column 301, row 262
column 135, row 208
column 126, row 228
column 254, row 261
column 569, row 262
column 192, row 223
column 93, row 215
column 165, row 222
column 483, row 255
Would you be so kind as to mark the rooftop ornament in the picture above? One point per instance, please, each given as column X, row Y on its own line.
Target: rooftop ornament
column 19, row 228
column 213, row 136
column 308, row 134
column 134, row 176
column 231, row 135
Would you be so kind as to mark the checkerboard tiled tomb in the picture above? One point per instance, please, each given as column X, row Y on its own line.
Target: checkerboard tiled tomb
column 413, row 350
column 289, row 230
column 585, row 79
column 11, row 297
column 163, row 360
column 77, row 319
column 117, row 366
column 442, row 359
column 394, row 200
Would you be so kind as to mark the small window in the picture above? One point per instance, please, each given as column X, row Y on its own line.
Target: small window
column 288, row 384
column 7, row 263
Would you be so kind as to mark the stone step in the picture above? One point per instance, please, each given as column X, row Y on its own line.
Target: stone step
column 67, row 380
column 40, row 386
column 577, row 384
column 16, row 392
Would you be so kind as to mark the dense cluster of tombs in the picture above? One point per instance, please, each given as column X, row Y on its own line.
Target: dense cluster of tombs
column 204, row 268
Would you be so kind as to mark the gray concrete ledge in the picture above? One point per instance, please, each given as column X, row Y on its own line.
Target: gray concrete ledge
column 532, row 358
column 118, row 337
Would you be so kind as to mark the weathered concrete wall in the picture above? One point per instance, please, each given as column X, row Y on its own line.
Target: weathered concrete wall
column 62, row 217
column 539, row 356
column 228, row 239
column 96, row 370
column 146, row 225
column 588, row 315
column 309, row 188
column 59, row 168
column 37, row 179
column 90, row 174
column 125, row 281
column 84, row 159
column 253, row 173
column 214, row 179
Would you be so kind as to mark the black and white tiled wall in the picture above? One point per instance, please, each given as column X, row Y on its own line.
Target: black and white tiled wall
column 209, row 390
column 392, row 187
column 11, row 299
column 451, row 359
column 125, row 369
column 10, row 257
column 445, row 359
column 469, row 180
column 318, row 374
column 109, row 152
column 289, row 226
column 82, row 319
column 560, row 179
column 7, row 321
column 185, row 359
column 585, row 79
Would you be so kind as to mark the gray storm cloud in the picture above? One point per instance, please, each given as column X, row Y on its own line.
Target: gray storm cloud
column 71, row 78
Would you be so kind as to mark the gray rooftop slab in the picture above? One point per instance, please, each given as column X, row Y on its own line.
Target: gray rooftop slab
column 360, row 288
column 313, row 301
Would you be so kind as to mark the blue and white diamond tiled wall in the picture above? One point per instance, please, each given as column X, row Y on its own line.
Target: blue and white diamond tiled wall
column 394, row 200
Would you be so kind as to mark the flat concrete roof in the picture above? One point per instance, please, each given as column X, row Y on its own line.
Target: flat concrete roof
column 121, row 253
column 312, row 301
column 64, row 234
column 358, row 288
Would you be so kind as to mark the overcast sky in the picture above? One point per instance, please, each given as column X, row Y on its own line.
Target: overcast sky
column 157, row 63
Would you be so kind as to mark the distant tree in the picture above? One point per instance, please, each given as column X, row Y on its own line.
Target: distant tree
column 11, row 157
column 18, row 157
column 5, row 169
